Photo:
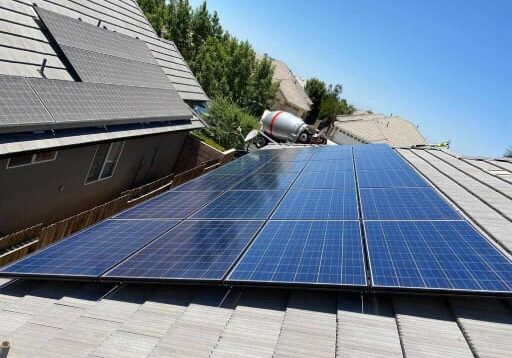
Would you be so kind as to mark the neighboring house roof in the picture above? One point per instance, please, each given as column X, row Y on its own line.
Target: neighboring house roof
column 290, row 87
column 73, row 319
column 24, row 46
column 376, row 128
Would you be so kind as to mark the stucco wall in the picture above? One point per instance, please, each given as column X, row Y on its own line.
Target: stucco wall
column 50, row 191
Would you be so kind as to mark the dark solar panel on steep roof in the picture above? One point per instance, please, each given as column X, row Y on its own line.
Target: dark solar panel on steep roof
column 171, row 205
column 72, row 32
column 304, row 252
column 405, row 204
column 81, row 102
column 326, row 204
column 100, row 68
column 19, row 105
column 92, row 251
column 444, row 255
column 194, row 250
column 243, row 204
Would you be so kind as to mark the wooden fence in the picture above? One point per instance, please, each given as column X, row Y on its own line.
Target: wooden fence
column 16, row 245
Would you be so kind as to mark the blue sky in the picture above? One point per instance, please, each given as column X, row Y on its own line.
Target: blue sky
column 445, row 65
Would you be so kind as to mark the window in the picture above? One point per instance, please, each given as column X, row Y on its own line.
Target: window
column 104, row 161
column 29, row 159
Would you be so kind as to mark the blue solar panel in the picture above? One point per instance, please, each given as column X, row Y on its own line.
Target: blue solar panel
column 307, row 252
column 332, row 155
column 330, row 166
column 171, row 205
column 405, row 204
column 380, row 162
column 447, row 255
column 295, row 156
column 93, row 251
column 390, row 178
column 210, row 182
column 238, row 167
column 241, row 205
column 275, row 181
column 197, row 250
column 281, row 167
column 327, row 204
column 328, row 180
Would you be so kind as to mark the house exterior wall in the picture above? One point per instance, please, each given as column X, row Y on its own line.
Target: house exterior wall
column 49, row 191
column 280, row 104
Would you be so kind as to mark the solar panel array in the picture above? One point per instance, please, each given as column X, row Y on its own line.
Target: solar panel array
column 354, row 217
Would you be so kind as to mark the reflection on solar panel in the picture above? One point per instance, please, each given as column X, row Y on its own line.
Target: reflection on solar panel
column 171, row 205
column 211, row 182
column 198, row 250
column 281, row 167
column 448, row 255
column 330, row 166
column 276, row 181
column 328, row 180
column 19, row 105
column 390, row 178
column 308, row 252
column 333, row 155
column 380, row 162
column 241, row 205
column 318, row 204
column 91, row 252
column 238, row 167
column 405, row 204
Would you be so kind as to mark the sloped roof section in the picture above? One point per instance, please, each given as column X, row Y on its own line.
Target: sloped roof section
column 24, row 46
column 376, row 128
column 290, row 86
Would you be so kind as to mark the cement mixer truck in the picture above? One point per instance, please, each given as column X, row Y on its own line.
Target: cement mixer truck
column 280, row 126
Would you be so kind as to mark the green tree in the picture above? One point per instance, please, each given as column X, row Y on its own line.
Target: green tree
column 228, row 123
column 508, row 152
column 316, row 91
column 156, row 13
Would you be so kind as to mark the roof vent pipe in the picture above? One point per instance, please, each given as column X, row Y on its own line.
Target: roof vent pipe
column 99, row 23
column 4, row 349
column 41, row 71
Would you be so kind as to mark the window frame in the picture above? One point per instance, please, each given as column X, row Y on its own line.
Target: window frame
column 33, row 160
column 100, row 178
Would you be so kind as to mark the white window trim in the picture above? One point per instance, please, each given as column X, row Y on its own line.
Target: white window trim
column 104, row 163
column 32, row 161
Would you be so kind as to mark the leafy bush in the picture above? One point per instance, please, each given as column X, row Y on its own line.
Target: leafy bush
column 228, row 124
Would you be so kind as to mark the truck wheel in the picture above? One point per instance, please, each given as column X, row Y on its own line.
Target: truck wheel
column 261, row 142
column 304, row 138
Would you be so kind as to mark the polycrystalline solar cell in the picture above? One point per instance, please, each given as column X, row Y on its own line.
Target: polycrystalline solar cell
column 330, row 165
column 318, row 205
column 100, row 68
column 332, row 155
column 304, row 252
column 281, row 167
column 296, row 156
column 241, row 205
column 92, row 251
column 194, row 250
column 275, row 181
column 380, row 162
column 390, row 178
column 95, row 102
column 211, row 182
column 171, row 205
column 239, row 166
column 72, row 32
column 447, row 255
column 405, row 204
column 19, row 105
column 328, row 180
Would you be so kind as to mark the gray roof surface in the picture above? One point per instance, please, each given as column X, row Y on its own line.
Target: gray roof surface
column 377, row 128
column 59, row 319
column 23, row 46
